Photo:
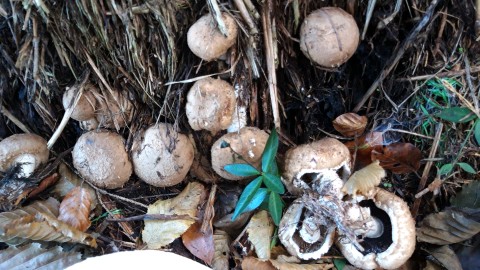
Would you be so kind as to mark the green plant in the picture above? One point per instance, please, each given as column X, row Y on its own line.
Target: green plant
column 267, row 186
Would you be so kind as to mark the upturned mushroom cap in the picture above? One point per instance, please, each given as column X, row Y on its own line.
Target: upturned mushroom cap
column 101, row 158
column 161, row 156
column 320, row 156
column 245, row 146
column 85, row 108
column 27, row 148
column 329, row 36
column 206, row 41
column 402, row 233
column 210, row 105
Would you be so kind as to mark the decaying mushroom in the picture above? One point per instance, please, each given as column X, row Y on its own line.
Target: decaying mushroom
column 329, row 36
column 246, row 146
column 206, row 41
column 27, row 151
column 386, row 228
column 161, row 156
column 210, row 105
column 101, row 158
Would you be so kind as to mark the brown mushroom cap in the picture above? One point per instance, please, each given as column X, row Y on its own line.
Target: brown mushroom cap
column 101, row 158
column 402, row 231
column 325, row 154
column 161, row 156
column 248, row 143
column 206, row 41
column 85, row 108
column 114, row 111
column 210, row 105
column 329, row 36
column 23, row 144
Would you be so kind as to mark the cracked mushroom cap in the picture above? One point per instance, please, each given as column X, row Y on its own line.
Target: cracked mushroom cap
column 302, row 235
column 308, row 162
column 329, row 36
column 248, row 143
column 161, row 156
column 29, row 149
column 85, row 108
column 396, row 243
column 210, row 105
column 101, row 158
column 206, row 41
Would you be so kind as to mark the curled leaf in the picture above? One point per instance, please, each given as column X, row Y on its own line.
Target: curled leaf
column 252, row 263
column 361, row 148
column 260, row 229
column 365, row 179
column 199, row 243
column 75, row 209
column 350, row 124
column 69, row 180
column 445, row 257
column 399, row 157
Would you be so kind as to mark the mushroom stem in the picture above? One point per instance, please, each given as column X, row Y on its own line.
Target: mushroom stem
column 375, row 228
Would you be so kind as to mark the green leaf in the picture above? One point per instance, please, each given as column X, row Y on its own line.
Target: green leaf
column 468, row 197
column 273, row 169
column 241, row 169
column 273, row 183
column 275, row 207
column 457, row 114
column 446, row 169
column 247, row 196
column 339, row 263
column 466, row 167
column 257, row 200
column 476, row 132
column 271, row 147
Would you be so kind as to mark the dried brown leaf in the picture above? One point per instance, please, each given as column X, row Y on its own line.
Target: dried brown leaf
column 252, row 263
column 260, row 230
column 445, row 257
column 398, row 157
column 199, row 243
column 69, row 180
column 293, row 263
column 361, row 148
column 365, row 179
column 75, row 209
column 222, row 250
column 350, row 124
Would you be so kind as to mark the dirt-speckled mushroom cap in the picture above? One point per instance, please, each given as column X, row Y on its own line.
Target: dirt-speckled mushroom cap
column 210, row 105
column 329, row 36
column 101, row 158
column 402, row 233
column 324, row 154
column 85, row 108
column 23, row 144
column 162, row 157
column 206, row 41
column 248, row 143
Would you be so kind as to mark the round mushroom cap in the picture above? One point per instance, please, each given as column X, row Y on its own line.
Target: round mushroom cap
column 114, row 111
column 101, row 158
column 206, row 41
column 162, row 157
column 325, row 154
column 210, row 105
column 329, row 36
column 85, row 108
column 402, row 232
column 11, row 148
column 245, row 146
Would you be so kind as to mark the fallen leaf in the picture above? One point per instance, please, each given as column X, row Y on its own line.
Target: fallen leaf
column 69, row 180
column 350, row 124
column 469, row 196
column 33, row 256
column 445, row 257
column 447, row 227
column 251, row 263
column 199, row 243
column 365, row 179
column 221, row 256
column 260, row 230
column 398, row 157
column 361, row 148
column 159, row 233
column 75, row 209
column 293, row 263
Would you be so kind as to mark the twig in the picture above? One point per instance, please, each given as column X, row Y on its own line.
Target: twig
column 246, row 16
column 14, row 119
column 370, row 7
column 473, row 96
column 215, row 11
column 397, row 55
column 101, row 191
column 152, row 217
column 456, row 73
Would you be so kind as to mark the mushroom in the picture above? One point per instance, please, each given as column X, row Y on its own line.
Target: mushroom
column 115, row 111
column 161, row 156
column 387, row 230
column 210, row 105
column 27, row 151
column 329, row 36
column 101, row 158
column 206, row 41
column 85, row 108
column 246, row 146
column 306, row 165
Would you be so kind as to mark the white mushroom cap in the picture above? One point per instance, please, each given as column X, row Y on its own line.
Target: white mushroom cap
column 27, row 149
column 161, row 156
column 206, row 41
column 210, row 105
column 403, row 235
column 247, row 145
column 101, row 158
column 329, row 36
